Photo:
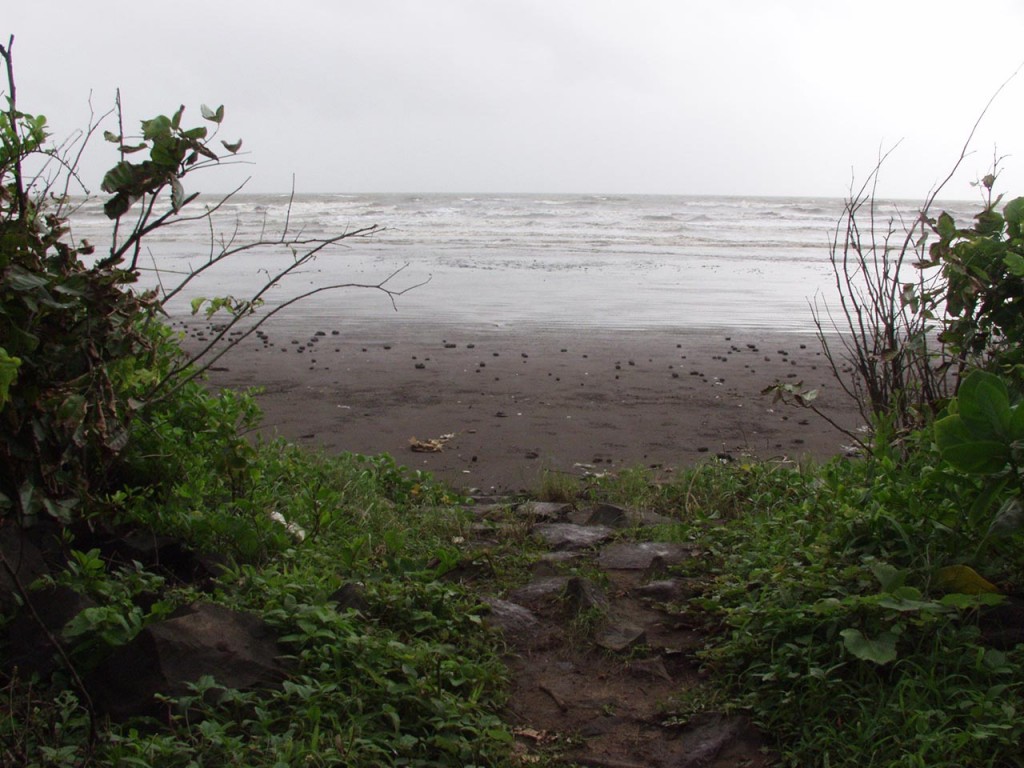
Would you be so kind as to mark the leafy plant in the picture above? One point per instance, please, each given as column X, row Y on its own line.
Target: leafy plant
column 983, row 290
column 983, row 435
column 831, row 627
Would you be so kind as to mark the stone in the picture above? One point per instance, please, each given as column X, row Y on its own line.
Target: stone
column 707, row 736
column 615, row 516
column 238, row 649
column 23, row 558
column 31, row 649
column 571, row 536
column 541, row 591
column 583, row 595
column 611, row 515
column 1002, row 626
column 653, row 667
column 642, row 556
column 665, row 591
column 549, row 511
column 618, row 637
column 351, row 596
column 510, row 617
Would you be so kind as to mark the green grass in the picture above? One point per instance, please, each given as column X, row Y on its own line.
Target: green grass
column 414, row 680
column 823, row 620
column 820, row 604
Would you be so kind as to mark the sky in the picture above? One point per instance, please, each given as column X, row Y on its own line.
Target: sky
column 731, row 97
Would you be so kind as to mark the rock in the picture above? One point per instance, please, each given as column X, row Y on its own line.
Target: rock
column 647, row 519
column 510, row 617
column 549, row 564
column 570, row 536
column 602, row 725
column 23, row 558
column 351, row 596
column 618, row 637
column 541, row 592
column 583, row 595
column 31, row 649
column 549, row 511
column 653, row 667
column 488, row 511
column 238, row 649
column 162, row 554
column 665, row 591
column 642, row 556
column 1002, row 626
column 611, row 515
column 615, row 516
column 708, row 735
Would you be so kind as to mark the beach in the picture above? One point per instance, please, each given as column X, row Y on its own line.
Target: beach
column 577, row 334
column 492, row 409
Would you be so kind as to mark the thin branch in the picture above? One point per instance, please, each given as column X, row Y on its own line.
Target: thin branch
column 196, row 371
column 12, row 115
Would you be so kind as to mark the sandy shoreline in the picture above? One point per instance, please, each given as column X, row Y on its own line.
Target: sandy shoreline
column 518, row 402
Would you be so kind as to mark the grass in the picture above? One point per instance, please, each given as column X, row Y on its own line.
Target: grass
column 820, row 604
column 823, row 622
column 414, row 679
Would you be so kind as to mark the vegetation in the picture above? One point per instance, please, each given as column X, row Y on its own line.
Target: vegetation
column 870, row 612
column 107, row 431
column 861, row 611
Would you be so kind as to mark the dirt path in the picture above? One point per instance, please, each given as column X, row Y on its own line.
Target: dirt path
column 599, row 645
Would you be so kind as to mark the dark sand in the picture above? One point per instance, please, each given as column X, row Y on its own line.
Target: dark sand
column 518, row 403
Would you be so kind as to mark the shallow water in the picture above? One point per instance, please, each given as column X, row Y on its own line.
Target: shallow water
column 519, row 261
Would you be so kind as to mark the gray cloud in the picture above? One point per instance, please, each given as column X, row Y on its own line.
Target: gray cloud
column 660, row 96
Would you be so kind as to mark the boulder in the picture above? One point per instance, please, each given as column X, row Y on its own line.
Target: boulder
column 238, row 649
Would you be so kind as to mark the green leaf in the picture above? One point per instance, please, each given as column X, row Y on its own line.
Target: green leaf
column 882, row 650
column 989, row 492
column 8, row 374
column 1014, row 264
column 232, row 147
column 889, row 577
column 946, row 226
column 984, row 403
column 1017, row 423
column 964, row 580
column 962, row 601
column 197, row 304
column 963, row 450
column 1013, row 211
column 159, row 125
column 113, row 138
column 20, row 279
column 177, row 194
column 118, row 205
column 121, row 176
column 214, row 116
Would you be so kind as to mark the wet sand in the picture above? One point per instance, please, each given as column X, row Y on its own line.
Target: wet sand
column 507, row 405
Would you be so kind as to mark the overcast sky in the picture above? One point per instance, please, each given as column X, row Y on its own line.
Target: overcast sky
column 738, row 97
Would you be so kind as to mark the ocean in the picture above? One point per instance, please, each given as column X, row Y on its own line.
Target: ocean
column 525, row 262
